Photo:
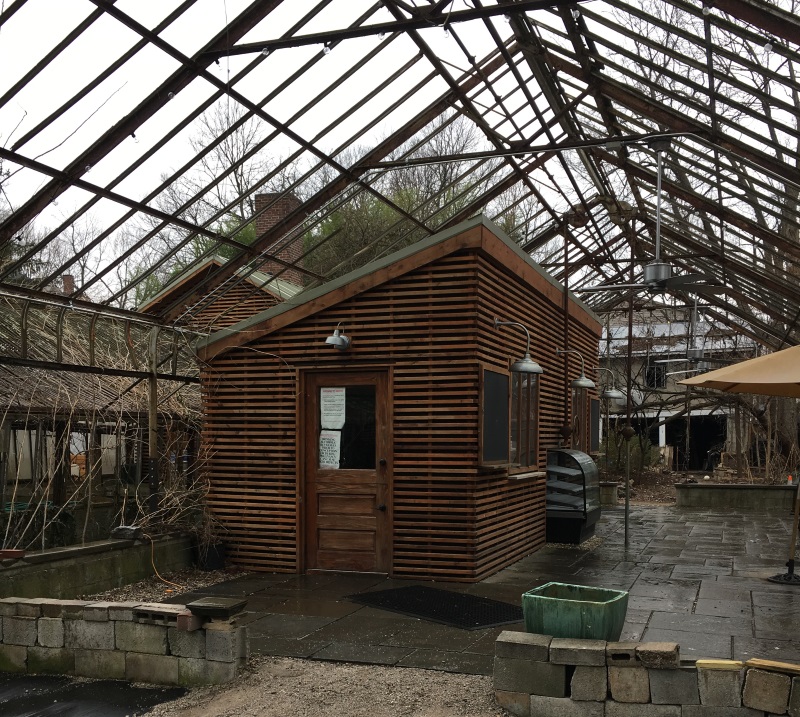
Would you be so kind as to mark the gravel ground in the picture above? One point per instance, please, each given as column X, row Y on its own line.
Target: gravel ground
column 155, row 589
column 278, row 687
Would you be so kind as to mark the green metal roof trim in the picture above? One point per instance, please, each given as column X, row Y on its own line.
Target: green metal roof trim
column 319, row 291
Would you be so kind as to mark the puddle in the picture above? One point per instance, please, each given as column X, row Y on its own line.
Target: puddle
column 55, row 696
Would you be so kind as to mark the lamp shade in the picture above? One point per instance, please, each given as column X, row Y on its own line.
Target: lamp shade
column 582, row 382
column 338, row 340
column 613, row 394
column 526, row 365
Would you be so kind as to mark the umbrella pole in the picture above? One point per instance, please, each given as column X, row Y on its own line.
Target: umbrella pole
column 789, row 578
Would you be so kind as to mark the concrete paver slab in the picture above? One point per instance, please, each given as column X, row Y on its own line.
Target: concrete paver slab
column 724, row 608
column 745, row 648
column 693, row 576
column 701, row 624
column 285, row 646
column 465, row 663
column 694, row 646
column 295, row 626
column 371, row 654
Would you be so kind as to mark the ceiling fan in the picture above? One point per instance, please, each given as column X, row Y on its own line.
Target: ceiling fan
column 659, row 276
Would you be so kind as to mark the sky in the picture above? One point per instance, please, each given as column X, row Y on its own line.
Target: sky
column 25, row 39
column 328, row 122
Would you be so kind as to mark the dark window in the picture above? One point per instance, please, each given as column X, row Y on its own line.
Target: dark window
column 655, row 375
column 580, row 419
column 494, row 436
column 510, row 430
column 356, row 438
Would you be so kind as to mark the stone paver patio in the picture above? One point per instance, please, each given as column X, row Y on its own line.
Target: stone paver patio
column 695, row 577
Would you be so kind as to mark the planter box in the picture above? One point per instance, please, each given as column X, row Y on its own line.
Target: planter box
column 609, row 493
column 575, row 611
column 739, row 496
column 11, row 553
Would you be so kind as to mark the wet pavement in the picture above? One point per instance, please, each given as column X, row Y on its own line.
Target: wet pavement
column 49, row 696
column 694, row 577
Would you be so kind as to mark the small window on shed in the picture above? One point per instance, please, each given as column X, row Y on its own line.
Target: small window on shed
column 585, row 416
column 494, row 418
column 524, row 421
column 510, row 420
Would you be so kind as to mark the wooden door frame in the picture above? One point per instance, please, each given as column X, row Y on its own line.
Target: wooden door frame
column 301, row 446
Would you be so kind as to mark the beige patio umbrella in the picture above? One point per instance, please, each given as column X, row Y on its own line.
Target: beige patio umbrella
column 775, row 374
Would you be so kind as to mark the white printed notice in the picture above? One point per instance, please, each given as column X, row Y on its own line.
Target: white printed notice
column 331, row 408
column 330, row 446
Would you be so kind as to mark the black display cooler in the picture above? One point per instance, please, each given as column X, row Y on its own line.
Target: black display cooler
column 573, row 496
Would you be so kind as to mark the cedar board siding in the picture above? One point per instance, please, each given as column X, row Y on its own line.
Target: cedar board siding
column 510, row 516
column 431, row 327
column 234, row 305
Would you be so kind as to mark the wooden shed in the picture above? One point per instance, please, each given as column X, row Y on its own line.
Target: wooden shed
column 406, row 452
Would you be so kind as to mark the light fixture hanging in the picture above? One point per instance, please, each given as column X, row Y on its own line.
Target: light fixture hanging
column 658, row 275
column 583, row 381
column 526, row 364
column 613, row 393
column 338, row 340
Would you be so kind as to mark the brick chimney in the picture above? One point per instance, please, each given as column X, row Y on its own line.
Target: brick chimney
column 67, row 284
column 279, row 207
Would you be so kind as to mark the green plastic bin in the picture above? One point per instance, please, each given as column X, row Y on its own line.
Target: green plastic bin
column 576, row 611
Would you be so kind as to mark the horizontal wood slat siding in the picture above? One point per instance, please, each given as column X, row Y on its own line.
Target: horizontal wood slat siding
column 234, row 305
column 423, row 325
column 509, row 515
column 430, row 327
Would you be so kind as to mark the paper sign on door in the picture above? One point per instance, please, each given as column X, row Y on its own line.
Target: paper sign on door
column 332, row 406
column 330, row 446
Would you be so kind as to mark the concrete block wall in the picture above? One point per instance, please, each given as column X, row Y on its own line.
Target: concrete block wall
column 543, row 676
column 66, row 573
column 142, row 642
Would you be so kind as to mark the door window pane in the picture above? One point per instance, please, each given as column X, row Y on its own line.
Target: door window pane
column 353, row 446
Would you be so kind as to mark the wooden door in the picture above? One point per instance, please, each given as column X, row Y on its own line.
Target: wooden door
column 347, row 472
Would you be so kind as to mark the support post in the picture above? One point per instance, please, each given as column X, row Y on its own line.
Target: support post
column 739, row 448
column 152, row 421
column 61, row 473
column 5, row 458
column 628, row 431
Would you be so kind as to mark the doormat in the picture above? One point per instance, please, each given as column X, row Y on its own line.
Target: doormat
column 469, row 612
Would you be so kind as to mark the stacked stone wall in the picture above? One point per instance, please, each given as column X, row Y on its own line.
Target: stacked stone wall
column 141, row 642
column 543, row 676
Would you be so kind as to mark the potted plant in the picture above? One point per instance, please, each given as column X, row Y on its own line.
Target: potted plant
column 208, row 547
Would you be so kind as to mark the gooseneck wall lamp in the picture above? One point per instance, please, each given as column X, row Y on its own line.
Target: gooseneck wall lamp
column 338, row 340
column 613, row 393
column 582, row 381
column 526, row 364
